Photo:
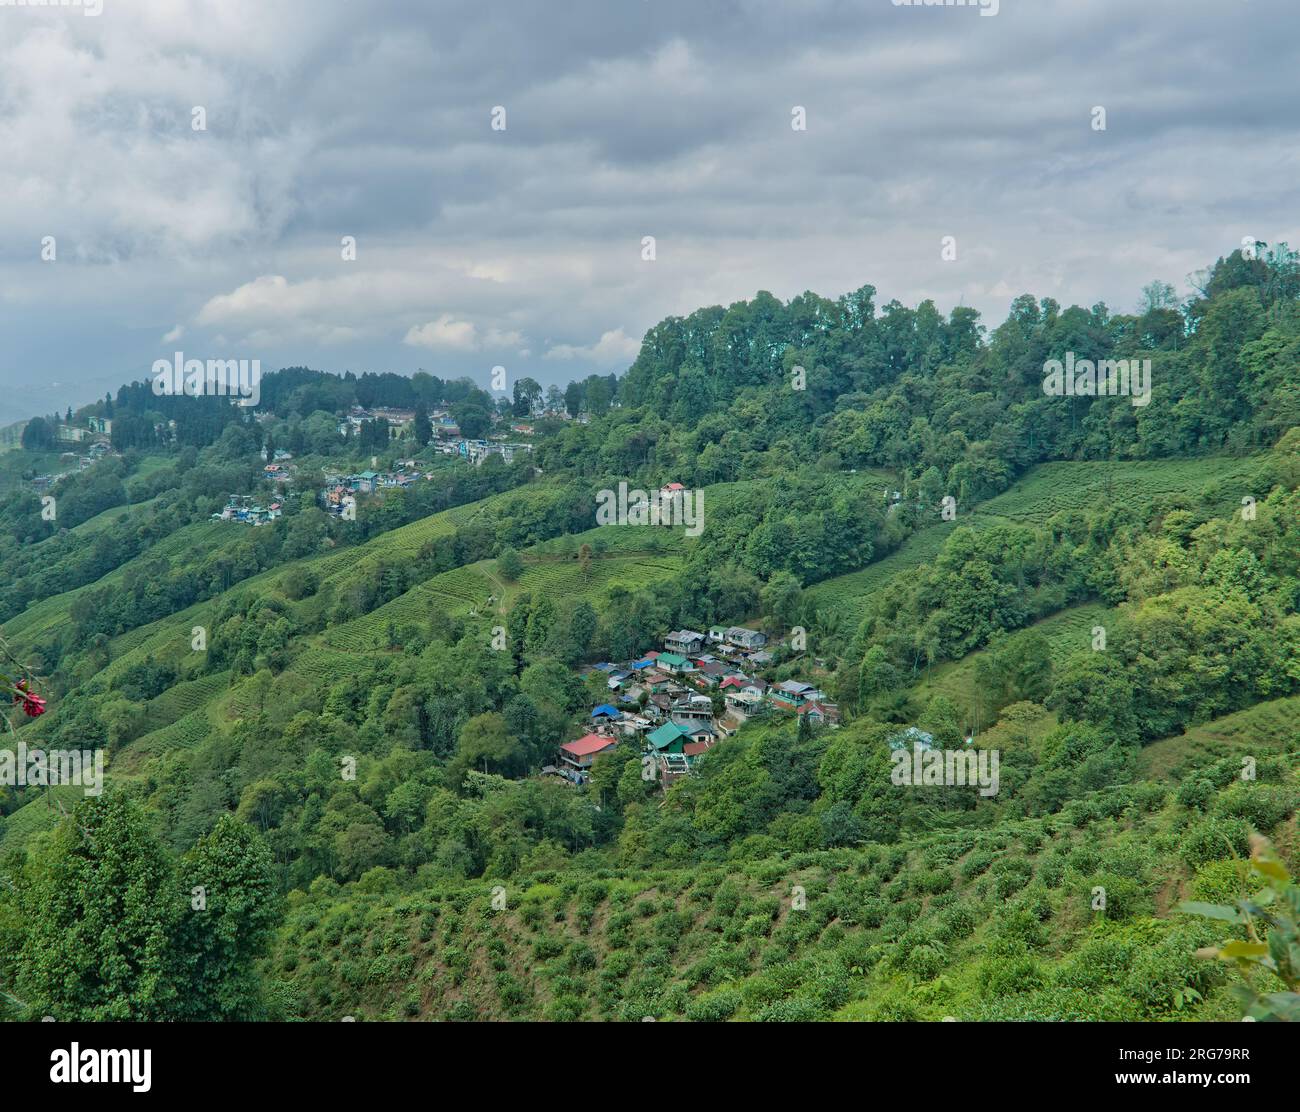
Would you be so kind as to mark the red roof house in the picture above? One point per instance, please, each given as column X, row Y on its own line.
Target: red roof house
column 579, row 754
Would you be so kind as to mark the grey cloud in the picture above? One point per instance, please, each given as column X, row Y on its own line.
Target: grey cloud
column 669, row 119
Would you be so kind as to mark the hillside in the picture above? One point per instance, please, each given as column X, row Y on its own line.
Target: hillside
column 471, row 753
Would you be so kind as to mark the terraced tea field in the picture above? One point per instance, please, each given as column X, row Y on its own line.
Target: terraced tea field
column 1053, row 488
column 1046, row 490
column 847, row 595
column 184, row 698
column 1066, row 631
column 186, row 732
column 42, row 619
column 1270, row 727
column 566, row 578
column 454, row 592
column 37, row 816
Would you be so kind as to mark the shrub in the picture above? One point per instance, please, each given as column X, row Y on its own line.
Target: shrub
column 1162, row 973
column 1223, row 882
column 1213, row 839
column 1124, row 896
column 978, row 861
column 1100, row 962
column 1195, row 793
column 932, row 881
column 1009, row 970
column 800, row 1009
column 713, row 1007
column 957, row 922
column 926, row 962
column 1261, row 805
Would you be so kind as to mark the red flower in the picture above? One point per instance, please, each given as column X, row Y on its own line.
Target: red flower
column 33, row 705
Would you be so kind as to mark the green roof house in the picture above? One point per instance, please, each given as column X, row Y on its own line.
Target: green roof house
column 669, row 738
column 674, row 663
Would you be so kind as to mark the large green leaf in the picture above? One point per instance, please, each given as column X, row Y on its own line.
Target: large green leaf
column 1212, row 911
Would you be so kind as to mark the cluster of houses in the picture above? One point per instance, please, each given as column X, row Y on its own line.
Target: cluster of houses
column 243, row 509
column 398, row 420
column 447, row 436
column 340, row 491
column 72, row 462
column 476, row 451
column 281, row 470
column 669, row 700
column 94, row 427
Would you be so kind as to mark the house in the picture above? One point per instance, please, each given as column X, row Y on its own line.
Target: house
column 677, row 665
column 747, row 697
column 668, row 738
column 579, row 755
column 671, row 488
column 71, row 432
column 400, row 419
column 634, row 724
column 712, row 673
column 606, row 711
column 698, row 708
column 672, row 767
column 685, row 642
column 717, row 635
column 102, row 425
column 744, row 638
column 792, row 694
column 701, row 733
column 820, row 714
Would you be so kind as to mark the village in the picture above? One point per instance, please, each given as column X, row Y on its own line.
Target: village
column 339, row 490
column 681, row 701
column 447, row 439
column 95, row 437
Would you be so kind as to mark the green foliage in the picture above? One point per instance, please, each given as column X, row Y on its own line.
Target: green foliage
column 111, row 933
column 1271, row 946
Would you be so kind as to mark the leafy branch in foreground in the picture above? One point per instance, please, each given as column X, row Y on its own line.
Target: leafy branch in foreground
column 1271, row 919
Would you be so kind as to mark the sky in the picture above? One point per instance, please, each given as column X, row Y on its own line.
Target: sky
column 522, row 246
